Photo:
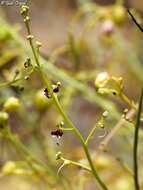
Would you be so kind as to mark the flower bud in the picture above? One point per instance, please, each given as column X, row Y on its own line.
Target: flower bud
column 24, row 9
column 105, row 114
column 30, row 37
column 58, row 156
column 102, row 79
column 38, row 44
column 12, row 104
column 27, row 19
column 106, row 84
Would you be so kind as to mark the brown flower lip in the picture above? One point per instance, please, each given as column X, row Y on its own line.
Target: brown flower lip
column 56, row 90
column 58, row 133
column 46, row 93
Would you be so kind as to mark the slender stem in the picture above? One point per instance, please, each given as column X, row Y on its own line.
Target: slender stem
column 77, row 164
column 136, row 139
column 66, row 129
column 31, row 43
column 77, row 133
column 128, row 101
column 75, row 130
column 103, row 144
column 24, row 150
column 135, row 21
column 99, row 124
column 65, row 117
column 4, row 84
column 125, row 166
column 90, row 134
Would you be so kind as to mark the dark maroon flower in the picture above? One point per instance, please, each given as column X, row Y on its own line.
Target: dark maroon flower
column 46, row 93
column 58, row 133
column 27, row 63
column 56, row 89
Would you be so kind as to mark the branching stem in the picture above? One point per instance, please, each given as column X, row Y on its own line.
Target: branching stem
column 59, row 107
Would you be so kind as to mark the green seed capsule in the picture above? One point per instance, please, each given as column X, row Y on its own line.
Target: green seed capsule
column 119, row 14
column 12, row 104
column 3, row 119
column 41, row 101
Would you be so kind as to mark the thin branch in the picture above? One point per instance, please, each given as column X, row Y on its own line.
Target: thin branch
column 136, row 139
column 112, row 133
column 135, row 21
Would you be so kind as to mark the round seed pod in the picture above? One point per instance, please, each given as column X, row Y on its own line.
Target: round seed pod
column 12, row 104
column 3, row 119
column 41, row 102
column 119, row 14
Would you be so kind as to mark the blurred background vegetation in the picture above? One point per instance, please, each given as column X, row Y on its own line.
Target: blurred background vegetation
column 80, row 38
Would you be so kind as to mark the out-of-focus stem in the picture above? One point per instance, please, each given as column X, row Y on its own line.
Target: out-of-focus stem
column 130, row 103
column 136, row 139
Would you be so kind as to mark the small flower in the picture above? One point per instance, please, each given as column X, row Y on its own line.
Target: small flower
column 102, row 79
column 58, row 133
column 27, row 63
column 46, row 93
column 106, row 84
column 56, row 87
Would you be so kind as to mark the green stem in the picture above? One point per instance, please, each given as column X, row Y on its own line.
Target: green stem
column 136, row 138
column 4, row 84
column 31, row 43
column 128, row 101
column 77, row 133
column 26, row 153
column 29, row 157
column 65, row 117
column 76, row 164
column 90, row 134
